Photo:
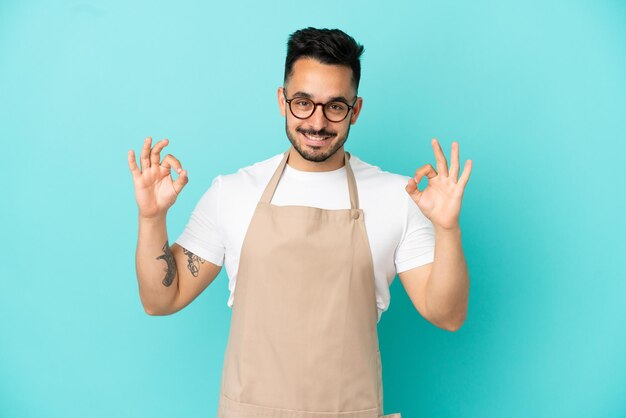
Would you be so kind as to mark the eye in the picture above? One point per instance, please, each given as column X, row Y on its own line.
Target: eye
column 302, row 103
column 337, row 107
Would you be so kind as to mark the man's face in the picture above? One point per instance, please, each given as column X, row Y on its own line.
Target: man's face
column 316, row 138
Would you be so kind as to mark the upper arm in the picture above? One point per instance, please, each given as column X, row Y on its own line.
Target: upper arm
column 194, row 275
column 414, row 282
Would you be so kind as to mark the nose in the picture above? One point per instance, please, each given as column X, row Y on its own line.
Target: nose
column 317, row 119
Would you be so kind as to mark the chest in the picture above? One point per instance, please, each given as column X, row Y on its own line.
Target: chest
column 385, row 219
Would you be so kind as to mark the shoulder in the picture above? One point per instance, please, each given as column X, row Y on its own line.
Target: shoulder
column 234, row 195
column 382, row 191
column 366, row 172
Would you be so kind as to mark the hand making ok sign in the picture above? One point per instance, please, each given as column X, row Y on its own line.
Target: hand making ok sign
column 155, row 190
column 440, row 201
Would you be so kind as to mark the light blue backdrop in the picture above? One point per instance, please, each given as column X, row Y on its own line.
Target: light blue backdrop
column 534, row 91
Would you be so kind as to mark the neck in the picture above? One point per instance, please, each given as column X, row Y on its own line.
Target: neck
column 335, row 162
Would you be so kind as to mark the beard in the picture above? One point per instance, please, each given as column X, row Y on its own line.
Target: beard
column 314, row 156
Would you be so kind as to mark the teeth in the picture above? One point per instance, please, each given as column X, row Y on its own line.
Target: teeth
column 316, row 138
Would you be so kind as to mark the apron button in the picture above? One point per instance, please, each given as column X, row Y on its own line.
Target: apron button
column 356, row 214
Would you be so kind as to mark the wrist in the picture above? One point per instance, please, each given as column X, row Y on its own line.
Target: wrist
column 152, row 220
column 453, row 231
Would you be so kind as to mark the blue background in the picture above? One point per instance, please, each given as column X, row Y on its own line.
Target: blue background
column 533, row 91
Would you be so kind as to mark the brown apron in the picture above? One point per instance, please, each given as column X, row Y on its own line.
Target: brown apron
column 303, row 340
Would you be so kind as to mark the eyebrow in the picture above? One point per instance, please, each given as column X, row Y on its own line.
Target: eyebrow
column 309, row 96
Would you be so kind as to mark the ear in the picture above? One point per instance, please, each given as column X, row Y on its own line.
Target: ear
column 356, row 110
column 281, row 100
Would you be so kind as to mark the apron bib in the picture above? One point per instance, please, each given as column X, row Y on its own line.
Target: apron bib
column 303, row 339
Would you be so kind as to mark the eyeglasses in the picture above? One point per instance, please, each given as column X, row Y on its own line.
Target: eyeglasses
column 303, row 108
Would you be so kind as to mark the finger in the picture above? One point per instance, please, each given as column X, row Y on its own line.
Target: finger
column 145, row 154
column 180, row 181
column 454, row 164
column 465, row 175
column 132, row 164
column 426, row 170
column 412, row 189
column 169, row 162
column 155, row 154
column 442, row 164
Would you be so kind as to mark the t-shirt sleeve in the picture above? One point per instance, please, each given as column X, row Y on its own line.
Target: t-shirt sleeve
column 202, row 235
column 417, row 246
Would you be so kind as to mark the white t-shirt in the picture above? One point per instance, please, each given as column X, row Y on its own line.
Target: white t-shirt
column 399, row 234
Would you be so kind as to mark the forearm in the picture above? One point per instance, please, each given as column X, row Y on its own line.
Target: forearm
column 156, row 267
column 447, row 290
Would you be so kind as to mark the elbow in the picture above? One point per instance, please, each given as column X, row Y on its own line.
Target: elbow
column 454, row 325
column 152, row 310
column 447, row 325
column 449, row 319
column 450, row 323
column 157, row 306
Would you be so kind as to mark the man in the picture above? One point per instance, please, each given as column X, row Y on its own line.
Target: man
column 311, row 240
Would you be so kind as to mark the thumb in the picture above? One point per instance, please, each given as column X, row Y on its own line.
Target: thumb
column 181, row 181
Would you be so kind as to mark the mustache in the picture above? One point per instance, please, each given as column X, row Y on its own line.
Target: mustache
column 321, row 132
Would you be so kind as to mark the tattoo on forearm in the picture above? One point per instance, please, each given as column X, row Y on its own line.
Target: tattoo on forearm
column 193, row 262
column 170, row 271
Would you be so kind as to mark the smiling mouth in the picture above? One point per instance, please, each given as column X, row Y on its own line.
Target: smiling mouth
column 317, row 138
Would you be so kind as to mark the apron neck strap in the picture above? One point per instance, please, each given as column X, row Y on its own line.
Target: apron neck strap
column 271, row 186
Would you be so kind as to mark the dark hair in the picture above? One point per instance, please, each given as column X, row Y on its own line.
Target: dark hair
column 328, row 46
